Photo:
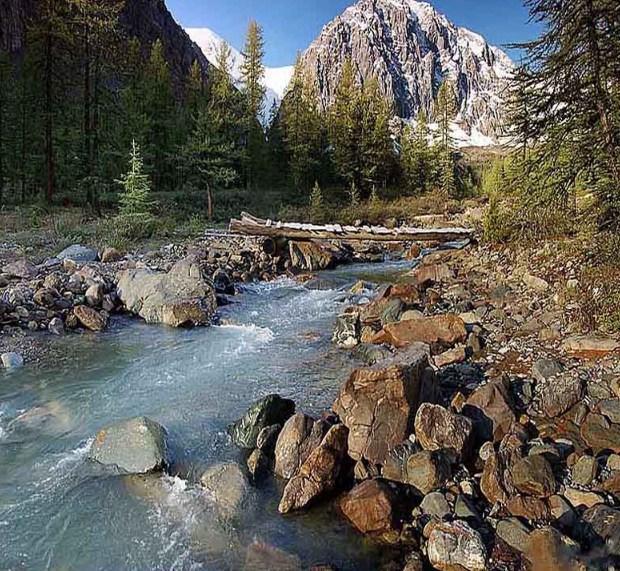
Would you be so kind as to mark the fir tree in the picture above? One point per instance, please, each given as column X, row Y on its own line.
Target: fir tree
column 135, row 201
column 416, row 157
column 317, row 206
column 252, row 76
column 445, row 112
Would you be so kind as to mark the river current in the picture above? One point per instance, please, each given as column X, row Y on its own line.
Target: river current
column 59, row 511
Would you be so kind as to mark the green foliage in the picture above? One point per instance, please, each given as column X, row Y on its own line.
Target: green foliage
column 417, row 158
column 354, row 195
column 317, row 205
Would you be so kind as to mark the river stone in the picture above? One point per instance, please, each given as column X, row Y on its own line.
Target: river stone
column 22, row 269
column 94, row 294
column 347, row 331
column 229, row 487
column 90, row 318
column 267, row 438
column 533, row 476
column 310, row 256
column 56, row 326
column 320, row 472
column 556, row 550
column 446, row 329
column 134, row 446
column 428, row 274
column 378, row 404
column 437, row 428
column 257, row 463
column 372, row 354
column 456, row 545
column 78, row 253
column 490, row 408
column 180, row 298
column 435, row 504
column 580, row 498
column 12, row 360
column 272, row 409
column 262, row 557
column 370, row 507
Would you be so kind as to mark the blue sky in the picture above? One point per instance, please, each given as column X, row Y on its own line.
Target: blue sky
column 290, row 25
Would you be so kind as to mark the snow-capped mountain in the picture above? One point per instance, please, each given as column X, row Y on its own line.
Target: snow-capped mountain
column 276, row 79
column 410, row 48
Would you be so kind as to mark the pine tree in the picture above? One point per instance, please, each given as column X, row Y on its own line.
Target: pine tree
column 445, row 112
column 135, row 202
column 252, row 76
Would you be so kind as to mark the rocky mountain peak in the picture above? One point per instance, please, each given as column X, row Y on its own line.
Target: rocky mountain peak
column 410, row 48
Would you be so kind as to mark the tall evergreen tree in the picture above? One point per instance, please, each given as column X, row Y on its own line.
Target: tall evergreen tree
column 416, row 156
column 252, row 76
column 445, row 112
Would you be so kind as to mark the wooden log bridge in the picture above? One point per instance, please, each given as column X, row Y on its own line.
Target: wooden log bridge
column 252, row 226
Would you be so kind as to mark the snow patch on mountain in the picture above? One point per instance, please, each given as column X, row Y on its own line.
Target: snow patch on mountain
column 276, row 81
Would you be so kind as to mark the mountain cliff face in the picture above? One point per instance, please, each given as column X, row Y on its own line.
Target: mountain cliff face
column 410, row 49
column 147, row 20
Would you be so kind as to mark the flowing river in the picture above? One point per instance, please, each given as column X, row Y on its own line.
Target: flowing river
column 59, row 511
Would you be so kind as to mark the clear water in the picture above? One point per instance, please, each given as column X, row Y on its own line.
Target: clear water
column 59, row 511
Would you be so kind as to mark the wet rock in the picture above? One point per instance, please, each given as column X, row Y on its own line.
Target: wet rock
column 229, row 487
column 300, row 435
column 56, row 326
column 110, row 255
column 262, row 556
column 134, row 446
column 490, row 407
column 544, row 369
column 372, row 354
column 270, row 410
column 267, row 438
column 347, row 331
column 533, row 476
column 435, row 504
column 378, row 404
column 369, row 507
column 78, row 253
column 21, row 269
column 90, row 318
column 514, row 533
column 590, row 345
column 180, row 298
column 222, row 283
column 437, row 428
column 445, row 329
column 320, row 472
column 600, row 434
column 12, row 360
column 559, row 395
column 258, row 464
column 456, row 546
column 310, row 256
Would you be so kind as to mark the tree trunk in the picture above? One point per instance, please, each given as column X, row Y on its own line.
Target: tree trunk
column 209, row 203
column 49, row 120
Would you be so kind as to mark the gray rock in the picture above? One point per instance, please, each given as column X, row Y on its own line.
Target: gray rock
column 134, row 446
column 230, row 489
column 584, row 470
column 456, row 545
column 603, row 527
column 22, row 269
column 272, row 409
column 180, row 298
column 392, row 312
column 267, row 438
column 56, row 326
column 78, row 253
column 372, row 354
column 464, row 509
column 435, row 504
column 12, row 360
column 514, row 533
column 347, row 330
column 544, row 369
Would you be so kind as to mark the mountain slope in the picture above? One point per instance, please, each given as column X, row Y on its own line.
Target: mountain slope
column 410, row 49
column 276, row 79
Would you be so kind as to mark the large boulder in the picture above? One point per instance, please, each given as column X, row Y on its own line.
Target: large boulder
column 445, row 330
column 455, row 546
column 425, row 471
column 300, row 435
column 378, row 404
column 370, row 507
column 490, row 407
column 135, row 446
column 180, row 298
column 310, row 256
column 272, row 409
column 78, row 253
column 320, row 472
column 229, row 488
column 436, row 427
column 533, row 476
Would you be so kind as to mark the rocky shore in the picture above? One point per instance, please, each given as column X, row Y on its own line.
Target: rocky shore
column 483, row 433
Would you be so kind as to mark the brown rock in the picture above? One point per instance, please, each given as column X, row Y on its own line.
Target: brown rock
column 90, row 318
column 310, row 256
column 298, row 437
column 490, row 409
column 369, row 506
column 429, row 274
column 579, row 498
column 533, row 476
column 378, row 404
column 319, row 473
column 591, row 346
column 409, row 293
column 437, row 428
column 447, row 329
column 110, row 255
column 600, row 434
column 549, row 550
column 451, row 357
column 529, row 508
column 427, row 471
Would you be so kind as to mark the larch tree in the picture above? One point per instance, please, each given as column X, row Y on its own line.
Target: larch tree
column 252, row 77
column 445, row 112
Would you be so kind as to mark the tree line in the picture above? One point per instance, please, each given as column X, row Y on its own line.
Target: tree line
column 81, row 94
